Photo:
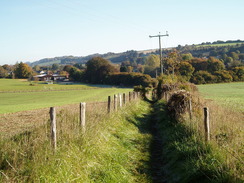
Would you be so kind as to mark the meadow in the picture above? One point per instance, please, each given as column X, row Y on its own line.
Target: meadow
column 221, row 44
column 18, row 95
column 230, row 95
column 22, row 85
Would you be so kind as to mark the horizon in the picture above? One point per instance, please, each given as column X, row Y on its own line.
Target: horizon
column 36, row 30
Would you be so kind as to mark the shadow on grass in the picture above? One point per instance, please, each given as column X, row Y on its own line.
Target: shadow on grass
column 147, row 124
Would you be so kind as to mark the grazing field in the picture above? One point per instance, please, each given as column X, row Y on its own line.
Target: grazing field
column 17, row 96
column 229, row 94
column 22, row 85
column 223, row 44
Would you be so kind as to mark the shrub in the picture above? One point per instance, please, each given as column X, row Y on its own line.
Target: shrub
column 130, row 79
column 223, row 76
column 237, row 73
column 203, row 77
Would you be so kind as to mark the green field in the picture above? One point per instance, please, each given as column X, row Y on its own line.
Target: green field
column 18, row 95
column 223, row 44
column 228, row 94
column 20, row 85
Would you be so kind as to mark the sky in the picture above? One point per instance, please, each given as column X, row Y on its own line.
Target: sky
column 34, row 29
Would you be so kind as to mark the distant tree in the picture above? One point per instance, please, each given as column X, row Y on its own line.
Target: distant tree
column 75, row 74
column 187, row 56
column 3, row 72
column 172, row 61
column 234, row 55
column 36, row 68
column 238, row 73
column 228, row 60
column 150, row 71
column 55, row 67
column 97, row 69
column 223, row 76
column 203, row 77
column 129, row 69
column 140, row 68
column 215, row 65
column 67, row 68
column 79, row 66
column 152, row 61
column 213, row 53
column 8, row 67
column 22, row 71
column 123, row 68
column 185, row 69
column 199, row 64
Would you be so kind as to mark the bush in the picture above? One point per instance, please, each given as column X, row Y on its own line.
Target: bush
column 130, row 79
column 223, row 76
column 203, row 77
column 237, row 73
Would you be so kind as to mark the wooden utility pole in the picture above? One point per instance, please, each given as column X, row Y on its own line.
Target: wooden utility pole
column 160, row 50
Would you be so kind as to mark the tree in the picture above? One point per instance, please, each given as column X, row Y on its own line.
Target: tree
column 55, row 67
column 223, row 76
column 172, row 61
column 97, row 70
column 234, row 55
column 203, row 77
column 67, row 68
column 187, row 56
column 215, row 65
column 186, row 70
column 3, row 72
column 23, row 71
column 36, row 68
column 153, row 61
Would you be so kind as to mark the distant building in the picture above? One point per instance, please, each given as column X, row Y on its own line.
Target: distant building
column 51, row 77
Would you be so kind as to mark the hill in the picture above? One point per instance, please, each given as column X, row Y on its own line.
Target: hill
column 200, row 50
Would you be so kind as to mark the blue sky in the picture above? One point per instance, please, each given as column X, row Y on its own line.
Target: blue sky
column 35, row 29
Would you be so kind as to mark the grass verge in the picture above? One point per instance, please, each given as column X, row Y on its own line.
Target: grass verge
column 187, row 158
column 111, row 150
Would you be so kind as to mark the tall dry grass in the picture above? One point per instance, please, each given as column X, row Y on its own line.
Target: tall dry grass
column 226, row 131
column 106, row 151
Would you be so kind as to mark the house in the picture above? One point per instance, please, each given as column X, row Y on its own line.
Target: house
column 49, row 77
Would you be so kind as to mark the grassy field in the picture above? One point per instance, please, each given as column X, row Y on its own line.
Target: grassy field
column 22, row 85
column 228, row 94
column 223, row 44
column 19, row 96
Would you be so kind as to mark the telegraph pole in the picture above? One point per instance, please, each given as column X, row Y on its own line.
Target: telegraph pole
column 160, row 49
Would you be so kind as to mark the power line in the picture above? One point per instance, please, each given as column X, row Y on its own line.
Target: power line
column 160, row 49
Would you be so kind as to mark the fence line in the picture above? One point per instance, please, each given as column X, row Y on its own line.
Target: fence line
column 82, row 113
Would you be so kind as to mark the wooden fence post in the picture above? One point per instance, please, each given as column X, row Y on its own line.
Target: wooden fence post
column 83, row 115
column 115, row 102
column 190, row 108
column 109, row 104
column 124, row 98
column 53, row 128
column 130, row 96
column 166, row 96
column 120, row 100
column 206, row 124
column 134, row 95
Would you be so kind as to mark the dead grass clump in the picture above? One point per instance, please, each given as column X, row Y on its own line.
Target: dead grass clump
column 178, row 103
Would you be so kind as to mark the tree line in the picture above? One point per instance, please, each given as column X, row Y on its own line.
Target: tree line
column 199, row 65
